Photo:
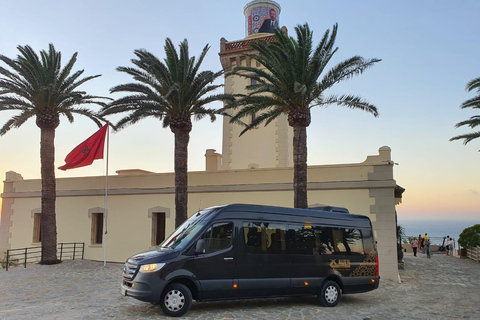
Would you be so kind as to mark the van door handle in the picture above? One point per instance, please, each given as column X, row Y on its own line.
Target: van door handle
column 228, row 259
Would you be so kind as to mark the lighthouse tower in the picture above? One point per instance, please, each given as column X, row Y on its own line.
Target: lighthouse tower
column 266, row 146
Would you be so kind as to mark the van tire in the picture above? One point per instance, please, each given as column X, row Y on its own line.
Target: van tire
column 330, row 294
column 176, row 300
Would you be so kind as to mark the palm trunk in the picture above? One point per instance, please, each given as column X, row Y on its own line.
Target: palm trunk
column 300, row 166
column 181, row 176
column 48, row 220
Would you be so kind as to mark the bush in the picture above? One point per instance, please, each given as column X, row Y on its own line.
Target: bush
column 470, row 237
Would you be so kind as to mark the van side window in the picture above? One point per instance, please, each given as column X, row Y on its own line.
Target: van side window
column 218, row 237
column 347, row 241
column 303, row 240
column 264, row 238
column 368, row 241
column 316, row 240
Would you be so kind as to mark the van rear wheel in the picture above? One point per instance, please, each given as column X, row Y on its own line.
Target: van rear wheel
column 176, row 300
column 330, row 294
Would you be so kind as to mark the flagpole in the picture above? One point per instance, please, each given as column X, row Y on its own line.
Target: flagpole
column 106, row 198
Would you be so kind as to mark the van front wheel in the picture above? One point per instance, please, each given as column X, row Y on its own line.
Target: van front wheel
column 176, row 300
column 330, row 294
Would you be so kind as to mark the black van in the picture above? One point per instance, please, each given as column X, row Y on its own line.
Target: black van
column 250, row 251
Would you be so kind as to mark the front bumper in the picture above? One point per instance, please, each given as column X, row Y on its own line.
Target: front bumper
column 146, row 287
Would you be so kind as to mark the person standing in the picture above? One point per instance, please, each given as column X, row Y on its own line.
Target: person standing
column 414, row 246
column 451, row 246
column 425, row 240
column 427, row 246
column 420, row 241
column 447, row 244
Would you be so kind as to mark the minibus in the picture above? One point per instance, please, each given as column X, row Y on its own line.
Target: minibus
column 242, row 251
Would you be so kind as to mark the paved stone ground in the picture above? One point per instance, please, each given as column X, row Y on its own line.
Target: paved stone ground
column 438, row 288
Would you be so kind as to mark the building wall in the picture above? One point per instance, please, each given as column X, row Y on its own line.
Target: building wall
column 365, row 188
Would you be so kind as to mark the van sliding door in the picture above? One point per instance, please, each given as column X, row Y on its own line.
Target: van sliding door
column 308, row 257
column 263, row 266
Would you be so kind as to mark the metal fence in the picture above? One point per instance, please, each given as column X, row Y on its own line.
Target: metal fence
column 67, row 250
column 474, row 253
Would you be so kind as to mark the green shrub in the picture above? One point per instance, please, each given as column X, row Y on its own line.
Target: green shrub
column 470, row 237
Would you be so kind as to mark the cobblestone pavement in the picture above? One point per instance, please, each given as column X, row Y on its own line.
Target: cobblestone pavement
column 438, row 288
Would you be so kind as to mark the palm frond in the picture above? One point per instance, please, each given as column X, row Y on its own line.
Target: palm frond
column 80, row 82
column 7, row 126
column 473, row 84
column 143, row 76
column 14, row 103
column 134, row 117
column 195, row 69
column 266, row 117
column 467, row 137
column 471, row 103
column 349, row 101
column 67, row 69
column 473, row 122
column 346, row 70
column 16, row 121
column 172, row 59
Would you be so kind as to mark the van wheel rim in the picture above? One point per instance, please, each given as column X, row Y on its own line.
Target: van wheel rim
column 331, row 294
column 174, row 300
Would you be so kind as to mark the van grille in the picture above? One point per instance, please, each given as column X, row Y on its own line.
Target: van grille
column 130, row 269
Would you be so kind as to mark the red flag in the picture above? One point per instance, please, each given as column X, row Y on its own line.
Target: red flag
column 87, row 151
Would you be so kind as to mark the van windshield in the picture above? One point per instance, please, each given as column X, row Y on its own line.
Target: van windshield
column 182, row 236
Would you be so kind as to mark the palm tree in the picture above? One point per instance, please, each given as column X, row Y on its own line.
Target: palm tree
column 39, row 87
column 288, row 84
column 474, row 121
column 172, row 91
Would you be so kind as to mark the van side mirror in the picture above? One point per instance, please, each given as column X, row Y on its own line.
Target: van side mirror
column 200, row 246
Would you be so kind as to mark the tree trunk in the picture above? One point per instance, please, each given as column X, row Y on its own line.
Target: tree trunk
column 300, row 166
column 48, row 220
column 181, row 175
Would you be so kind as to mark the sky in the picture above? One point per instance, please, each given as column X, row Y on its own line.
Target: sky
column 429, row 51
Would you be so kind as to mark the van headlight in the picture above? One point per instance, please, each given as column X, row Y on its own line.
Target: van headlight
column 154, row 267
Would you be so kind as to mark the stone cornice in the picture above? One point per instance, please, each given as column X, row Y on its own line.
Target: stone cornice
column 243, row 45
column 342, row 185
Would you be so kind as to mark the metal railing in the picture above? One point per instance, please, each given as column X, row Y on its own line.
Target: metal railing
column 67, row 250
column 474, row 253
column 433, row 240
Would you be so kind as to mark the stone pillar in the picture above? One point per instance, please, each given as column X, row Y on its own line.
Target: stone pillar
column 7, row 211
column 383, row 214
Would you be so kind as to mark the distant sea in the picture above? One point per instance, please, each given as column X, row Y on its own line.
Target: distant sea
column 436, row 229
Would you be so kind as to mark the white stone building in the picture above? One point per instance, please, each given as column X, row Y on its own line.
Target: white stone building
column 256, row 168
